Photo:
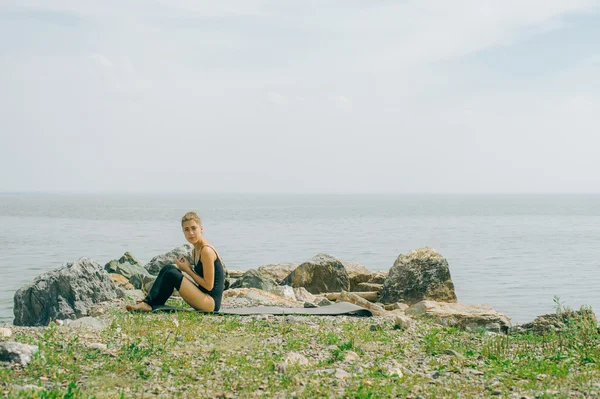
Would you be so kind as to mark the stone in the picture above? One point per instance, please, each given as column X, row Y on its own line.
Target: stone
column 17, row 352
column 469, row 317
column 142, row 281
column 97, row 345
column 396, row 306
column 126, row 266
column 248, row 297
column 357, row 274
column 323, row 273
column 310, row 305
column 253, row 279
column 118, row 279
column 351, row 356
column 368, row 287
column 403, row 322
column 304, row 296
column 160, row 261
column 375, row 309
column 5, row 332
column 277, row 271
column 324, row 302
column 285, row 291
column 558, row 322
column 422, row 274
column 86, row 322
column 64, row 293
column 451, row 352
column 342, row 374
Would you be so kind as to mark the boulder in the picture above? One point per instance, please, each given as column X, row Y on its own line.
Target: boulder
column 142, row 281
column 253, row 279
column 235, row 273
column 286, row 292
column 422, row 274
column 126, row 266
column 17, row 352
column 323, row 273
column 460, row 315
column 64, row 293
column 369, row 287
column 304, row 296
column 160, row 261
column 359, row 274
column 558, row 322
column 355, row 299
column 277, row 271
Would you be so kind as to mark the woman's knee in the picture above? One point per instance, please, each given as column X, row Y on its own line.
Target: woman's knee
column 173, row 275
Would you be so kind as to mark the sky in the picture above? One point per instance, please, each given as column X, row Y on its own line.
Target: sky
column 307, row 96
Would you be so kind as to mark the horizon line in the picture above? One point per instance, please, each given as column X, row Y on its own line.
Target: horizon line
column 284, row 193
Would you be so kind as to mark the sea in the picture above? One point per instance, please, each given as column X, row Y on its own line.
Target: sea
column 520, row 254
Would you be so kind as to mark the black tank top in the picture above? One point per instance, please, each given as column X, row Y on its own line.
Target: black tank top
column 217, row 292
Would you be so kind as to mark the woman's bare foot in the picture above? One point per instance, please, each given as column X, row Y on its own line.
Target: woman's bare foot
column 139, row 307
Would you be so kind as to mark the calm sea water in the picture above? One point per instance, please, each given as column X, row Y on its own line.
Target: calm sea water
column 511, row 252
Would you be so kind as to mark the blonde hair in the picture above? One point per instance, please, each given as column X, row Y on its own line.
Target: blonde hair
column 191, row 216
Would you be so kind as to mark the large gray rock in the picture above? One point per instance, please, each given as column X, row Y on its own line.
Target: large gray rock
column 160, row 261
column 253, row 279
column 17, row 352
column 323, row 273
column 549, row 323
column 127, row 266
column 142, row 281
column 422, row 274
column 64, row 293
column 277, row 271
column 460, row 315
column 359, row 274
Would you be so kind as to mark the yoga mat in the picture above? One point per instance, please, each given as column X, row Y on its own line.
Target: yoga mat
column 338, row 308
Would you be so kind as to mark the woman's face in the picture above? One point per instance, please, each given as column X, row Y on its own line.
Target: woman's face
column 192, row 231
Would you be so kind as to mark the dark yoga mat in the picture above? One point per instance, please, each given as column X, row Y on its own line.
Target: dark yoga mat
column 339, row 308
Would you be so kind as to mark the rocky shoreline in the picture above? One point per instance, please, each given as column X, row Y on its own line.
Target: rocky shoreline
column 418, row 333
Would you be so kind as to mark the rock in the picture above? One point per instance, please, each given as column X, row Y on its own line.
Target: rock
column 5, row 332
column 323, row 273
column 11, row 351
column 368, row 287
column 396, row 306
column 126, row 266
column 235, row 273
column 310, row 305
column 342, row 374
column 277, row 271
column 160, row 261
column 351, row 356
column 404, row 322
column 142, row 281
column 285, row 291
column 357, row 274
column 355, row 299
column 324, row 302
column 248, row 297
column 460, row 315
column 422, row 274
column 304, row 296
column 253, row 279
column 293, row 358
column 375, row 327
column 86, row 322
column 97, row 345
column 557, row 322
column 454, row 353
column 64, row 293
column 118, row 280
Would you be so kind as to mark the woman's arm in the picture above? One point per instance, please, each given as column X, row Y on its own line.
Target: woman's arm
column 208, row 257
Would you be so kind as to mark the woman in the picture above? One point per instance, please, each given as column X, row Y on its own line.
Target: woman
column 208, row 274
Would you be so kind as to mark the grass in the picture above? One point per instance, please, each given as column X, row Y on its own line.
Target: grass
column 196, row 355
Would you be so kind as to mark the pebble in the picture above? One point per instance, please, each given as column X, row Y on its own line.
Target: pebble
column 434, row 374
column 453, row 353
column 351, row 356
column 97, row 345
column 5, row 332
column 375, row 327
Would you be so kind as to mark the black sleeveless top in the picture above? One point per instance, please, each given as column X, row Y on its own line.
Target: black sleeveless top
column 217, row 292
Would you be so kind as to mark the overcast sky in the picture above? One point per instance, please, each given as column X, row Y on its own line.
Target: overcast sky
column 300, row 96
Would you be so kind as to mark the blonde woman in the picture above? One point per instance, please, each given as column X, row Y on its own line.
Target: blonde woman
column 203, row 289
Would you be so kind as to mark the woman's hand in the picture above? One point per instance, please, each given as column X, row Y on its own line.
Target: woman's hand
column 183, row 264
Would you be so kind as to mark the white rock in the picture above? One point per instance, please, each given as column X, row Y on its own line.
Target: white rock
column 351, row 356
column 285, row 291
column 404, row 322
column 295, row 358
column 17, row 352
column 97, row 345
column 5, row 332
column 342, row 374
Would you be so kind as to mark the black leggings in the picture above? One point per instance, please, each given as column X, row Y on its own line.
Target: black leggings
column 168, row 278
